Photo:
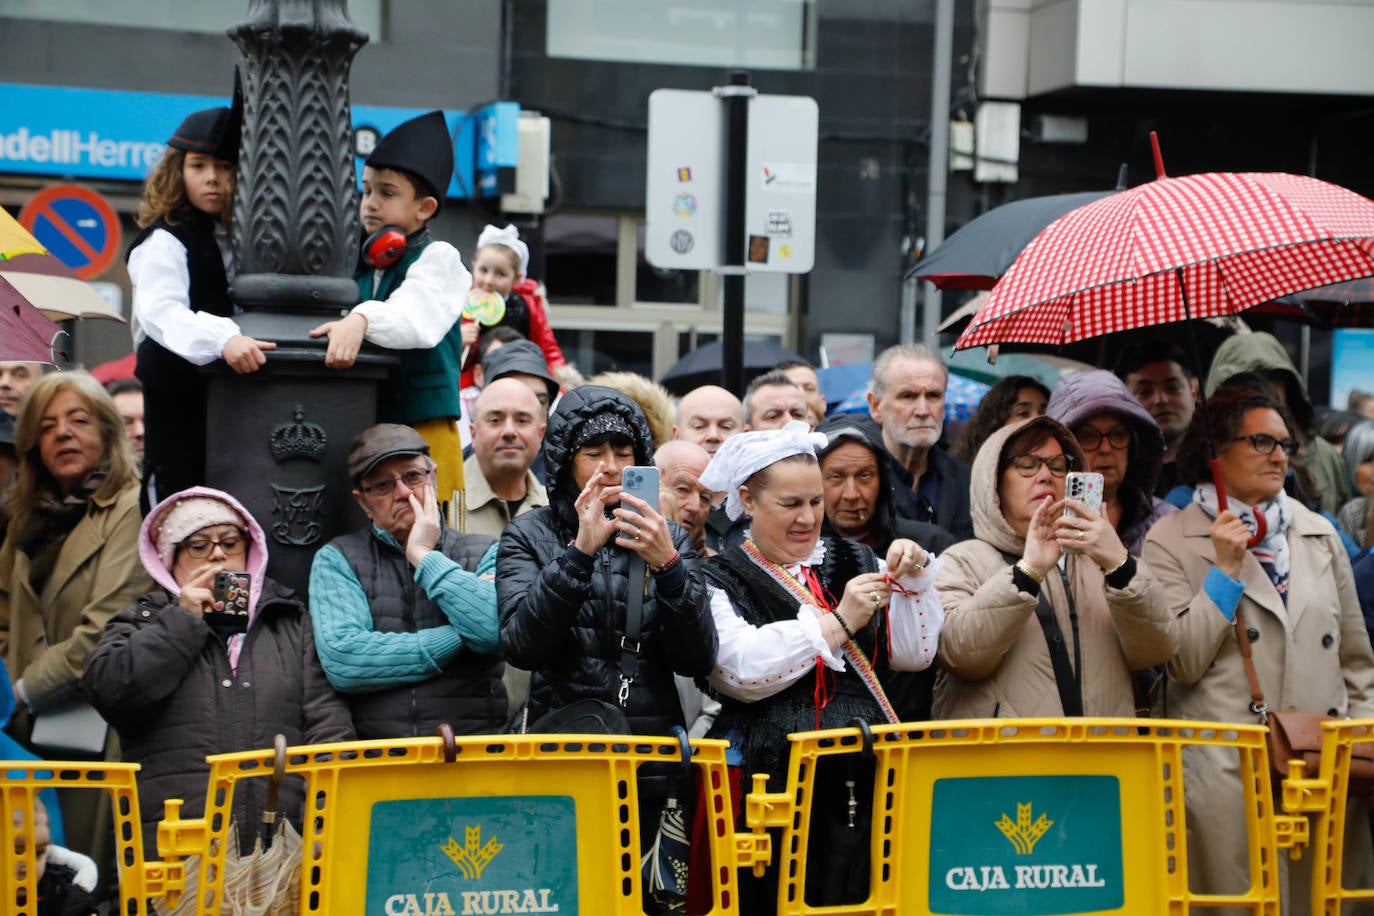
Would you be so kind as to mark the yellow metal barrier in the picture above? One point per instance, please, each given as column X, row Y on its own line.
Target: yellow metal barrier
column 1026, row 816
column 1324, row 796
column 20, row 783
column 493, row 824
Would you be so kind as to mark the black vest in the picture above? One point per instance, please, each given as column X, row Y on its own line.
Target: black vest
column 761, row 728
column 468, row 694
column 424, row 384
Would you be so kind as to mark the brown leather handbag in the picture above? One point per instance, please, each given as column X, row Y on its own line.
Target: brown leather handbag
column 1295, row 735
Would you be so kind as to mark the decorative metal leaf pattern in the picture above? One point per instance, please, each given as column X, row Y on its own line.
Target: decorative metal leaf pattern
column 296, row 205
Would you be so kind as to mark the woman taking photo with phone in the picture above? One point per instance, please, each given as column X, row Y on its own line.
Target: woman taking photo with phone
column 1227, row 573
column 185, row 672
column 1030, row 630
column 582, row 575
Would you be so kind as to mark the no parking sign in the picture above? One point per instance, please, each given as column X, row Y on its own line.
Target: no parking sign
column 77, row 225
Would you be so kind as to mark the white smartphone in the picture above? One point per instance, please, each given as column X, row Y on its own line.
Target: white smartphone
column 1086, row 487
column 641, row 481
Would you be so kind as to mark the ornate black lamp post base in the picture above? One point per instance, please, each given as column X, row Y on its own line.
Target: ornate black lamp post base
column 278, row 438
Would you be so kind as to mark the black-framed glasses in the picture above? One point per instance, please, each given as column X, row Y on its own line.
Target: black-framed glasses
column 1264, row 444
column 1029, row 465
column 198, row 548
column 1090, row 440
column 414, row 479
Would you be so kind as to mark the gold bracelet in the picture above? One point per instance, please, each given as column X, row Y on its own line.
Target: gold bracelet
column 1029, row 570
column 1107, row 573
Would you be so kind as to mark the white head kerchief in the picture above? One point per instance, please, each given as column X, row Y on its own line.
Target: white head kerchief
column 745, row 454
column 510, row 237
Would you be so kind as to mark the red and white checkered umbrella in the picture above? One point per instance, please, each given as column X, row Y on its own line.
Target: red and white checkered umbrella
column 1176, row 248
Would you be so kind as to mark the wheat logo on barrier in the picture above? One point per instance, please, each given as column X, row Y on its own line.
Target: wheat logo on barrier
column 1024, row 834
column 474, row 857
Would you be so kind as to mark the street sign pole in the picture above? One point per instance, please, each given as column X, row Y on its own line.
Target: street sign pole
column 736, row 97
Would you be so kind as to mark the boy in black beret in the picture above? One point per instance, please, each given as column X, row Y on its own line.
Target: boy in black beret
column 413, row 290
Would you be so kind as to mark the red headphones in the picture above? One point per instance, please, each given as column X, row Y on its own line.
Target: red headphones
column 389, row 244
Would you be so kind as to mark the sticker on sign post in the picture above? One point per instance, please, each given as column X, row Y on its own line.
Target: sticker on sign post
column 1027, row 845
column 509, row 854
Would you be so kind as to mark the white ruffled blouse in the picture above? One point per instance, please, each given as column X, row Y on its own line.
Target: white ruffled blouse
column 755, row 662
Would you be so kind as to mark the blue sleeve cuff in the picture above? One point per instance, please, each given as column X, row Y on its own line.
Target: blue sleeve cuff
column 1224, row 591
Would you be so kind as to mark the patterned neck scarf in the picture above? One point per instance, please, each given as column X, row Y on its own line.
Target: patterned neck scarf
column 1272, row 551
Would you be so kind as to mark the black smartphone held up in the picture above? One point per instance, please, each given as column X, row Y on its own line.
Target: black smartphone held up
column 230, row 593
column 640, row 481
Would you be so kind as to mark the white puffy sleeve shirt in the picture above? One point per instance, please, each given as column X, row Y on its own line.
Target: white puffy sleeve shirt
column 423, row 308
column 755, row 662
column 162, row 306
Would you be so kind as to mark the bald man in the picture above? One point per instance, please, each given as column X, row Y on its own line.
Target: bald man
column 507, row 431
column 680, row 466
column 708, row 416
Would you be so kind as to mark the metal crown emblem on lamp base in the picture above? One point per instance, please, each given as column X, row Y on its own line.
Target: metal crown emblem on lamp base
column 278, row 438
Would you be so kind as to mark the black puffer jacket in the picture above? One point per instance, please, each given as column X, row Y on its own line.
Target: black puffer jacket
column 161, row 677
column 563, row 622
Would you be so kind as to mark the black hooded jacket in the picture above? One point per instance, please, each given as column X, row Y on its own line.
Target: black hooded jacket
column 562, row 615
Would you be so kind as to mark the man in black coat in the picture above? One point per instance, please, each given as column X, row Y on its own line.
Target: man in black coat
column 907, row 398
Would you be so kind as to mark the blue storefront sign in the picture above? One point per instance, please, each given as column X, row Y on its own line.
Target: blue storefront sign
column 509, row 854
column 1029, row 845
column 118, row 135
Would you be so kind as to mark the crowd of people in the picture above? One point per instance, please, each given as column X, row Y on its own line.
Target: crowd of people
column 794, row 571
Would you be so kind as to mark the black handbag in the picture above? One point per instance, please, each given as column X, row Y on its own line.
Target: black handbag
column 594, row 716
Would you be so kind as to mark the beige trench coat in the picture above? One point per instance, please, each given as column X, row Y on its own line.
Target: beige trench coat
column 993, row 660
column 1312, row 655
column 46, row 637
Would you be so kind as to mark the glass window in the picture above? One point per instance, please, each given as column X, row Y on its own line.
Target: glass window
column 687, row 341
column 580, row 259
column 177, row 15
column 763, row 292
column 764, row 34
column 609, row 351
column 661, row 284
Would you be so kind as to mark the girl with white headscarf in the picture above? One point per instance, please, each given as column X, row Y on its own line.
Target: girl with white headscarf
column 810, row 627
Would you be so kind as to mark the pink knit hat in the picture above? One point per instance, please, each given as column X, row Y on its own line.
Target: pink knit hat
column 185, row 518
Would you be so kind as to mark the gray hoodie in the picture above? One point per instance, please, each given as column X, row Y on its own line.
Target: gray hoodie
column 1078, row 397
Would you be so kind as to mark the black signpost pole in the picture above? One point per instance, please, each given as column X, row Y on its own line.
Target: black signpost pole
column 736, row 98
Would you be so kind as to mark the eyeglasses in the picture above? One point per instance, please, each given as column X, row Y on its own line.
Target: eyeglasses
column 1090, row 440
column 235, row 545
column 1029, row 465
column 414, row 479
column 1264, row 444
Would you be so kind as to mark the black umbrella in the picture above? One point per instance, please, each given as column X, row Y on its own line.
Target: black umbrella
column 982, row 249
column 703, row 366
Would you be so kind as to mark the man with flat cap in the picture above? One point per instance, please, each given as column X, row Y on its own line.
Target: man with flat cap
column 404, row 611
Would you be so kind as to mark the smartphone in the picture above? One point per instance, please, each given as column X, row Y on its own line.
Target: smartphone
column 1086, row 487
column 642, row 482
column 230, row 593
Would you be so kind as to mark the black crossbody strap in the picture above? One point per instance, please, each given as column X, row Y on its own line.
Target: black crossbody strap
column 1067, row 675
column 634, row 626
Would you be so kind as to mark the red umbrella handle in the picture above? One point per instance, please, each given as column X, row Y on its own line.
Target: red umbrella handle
column 1261, row 526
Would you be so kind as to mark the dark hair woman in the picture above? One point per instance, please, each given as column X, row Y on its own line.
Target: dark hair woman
column 1016, row 397
column 1309, row 647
